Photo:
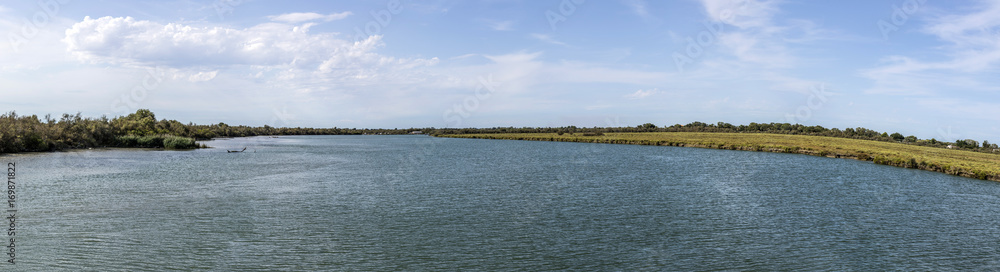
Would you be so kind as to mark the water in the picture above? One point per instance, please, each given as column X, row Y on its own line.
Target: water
column 419, row 203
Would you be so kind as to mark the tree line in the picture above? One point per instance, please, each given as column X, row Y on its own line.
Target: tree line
column 142, row 129
column 29, row 133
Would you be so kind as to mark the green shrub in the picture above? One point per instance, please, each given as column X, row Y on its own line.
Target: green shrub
column 157, row 141
column 174, row 142
column 128, row 141
column 151, row 141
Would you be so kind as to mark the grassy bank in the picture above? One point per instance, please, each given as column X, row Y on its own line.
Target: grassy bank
column 955, row 162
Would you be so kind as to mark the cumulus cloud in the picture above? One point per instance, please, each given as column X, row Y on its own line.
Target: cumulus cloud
column 308, row 16
column 290, row 49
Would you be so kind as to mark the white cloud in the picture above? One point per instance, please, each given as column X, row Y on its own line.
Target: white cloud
column 639, row 8
column 970, row 54
column 640, row 94
column 758, row 40
column 203, row 76
column 742, row 13
column 308, row 16
column 748, row 42
column 547, row 39
column 285, row 51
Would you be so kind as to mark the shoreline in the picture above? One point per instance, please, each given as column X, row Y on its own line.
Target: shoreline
column 953, row 162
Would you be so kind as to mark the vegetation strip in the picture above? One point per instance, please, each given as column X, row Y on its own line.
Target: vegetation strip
column 963, row 163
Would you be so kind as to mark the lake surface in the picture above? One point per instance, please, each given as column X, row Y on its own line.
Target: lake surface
column 396, row 203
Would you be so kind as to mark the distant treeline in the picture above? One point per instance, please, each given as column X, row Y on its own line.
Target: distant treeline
column 142, row 129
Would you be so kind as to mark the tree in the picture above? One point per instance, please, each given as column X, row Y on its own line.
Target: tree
column 971, row 143
column 967, row 143
column 896, row 136
column 910, row 139
column 647, row 126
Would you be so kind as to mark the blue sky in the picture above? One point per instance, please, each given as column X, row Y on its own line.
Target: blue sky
column 919, row 67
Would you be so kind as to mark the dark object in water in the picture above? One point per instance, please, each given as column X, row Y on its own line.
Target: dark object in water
column 234, row 151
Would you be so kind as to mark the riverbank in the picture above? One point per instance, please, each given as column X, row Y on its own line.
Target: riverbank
column 953, row 162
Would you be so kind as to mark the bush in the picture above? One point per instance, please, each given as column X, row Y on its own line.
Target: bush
column 128, row 141
column 151, row 141
column 174, row 142
column 157, row 141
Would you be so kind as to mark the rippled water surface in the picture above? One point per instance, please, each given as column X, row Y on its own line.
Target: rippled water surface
column 421, row 203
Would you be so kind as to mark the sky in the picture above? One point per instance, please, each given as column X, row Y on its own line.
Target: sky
column 919, row 67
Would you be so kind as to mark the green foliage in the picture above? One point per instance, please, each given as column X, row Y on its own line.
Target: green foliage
column 174, row 142
column 128, row 141
column 157, row 141
column 139, row 129
column 647, row 126
column 28, row 133
column 967, row 143
column 897, row 137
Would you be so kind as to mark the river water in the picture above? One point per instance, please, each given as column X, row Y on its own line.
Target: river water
column 394, row 203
